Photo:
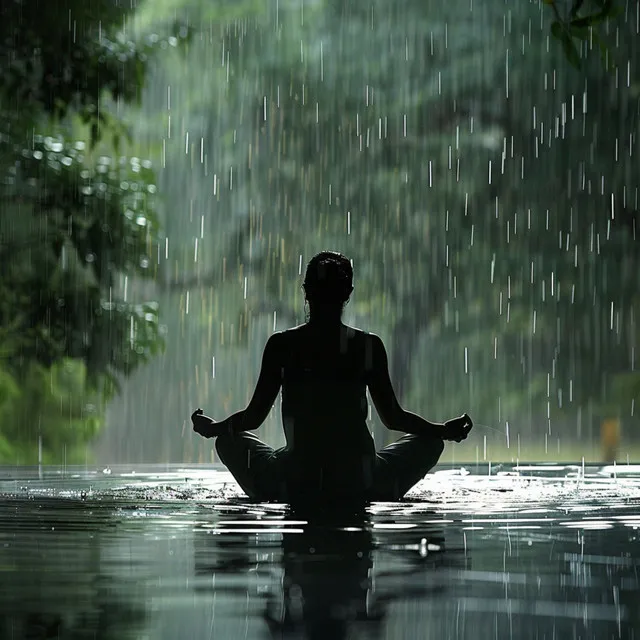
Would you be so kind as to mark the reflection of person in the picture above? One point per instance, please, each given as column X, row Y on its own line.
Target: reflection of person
column 324, row 368
column 336, row 578
column 326, row 585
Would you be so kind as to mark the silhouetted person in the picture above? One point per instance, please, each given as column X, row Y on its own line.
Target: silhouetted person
column 324, row 368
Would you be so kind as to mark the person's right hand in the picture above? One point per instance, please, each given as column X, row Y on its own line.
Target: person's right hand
column 457, row 429
column 203, row 425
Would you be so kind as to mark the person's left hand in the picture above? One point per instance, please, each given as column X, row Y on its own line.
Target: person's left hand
column 457, row 429
column 203, row 425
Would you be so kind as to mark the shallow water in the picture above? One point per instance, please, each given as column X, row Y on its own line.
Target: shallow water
column 166, row 552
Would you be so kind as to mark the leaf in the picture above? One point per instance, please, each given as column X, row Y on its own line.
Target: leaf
column 609, row 11
column 570, row 50
column 577, row 4
column 557, row 30
column 581, row 33
column 588, row 21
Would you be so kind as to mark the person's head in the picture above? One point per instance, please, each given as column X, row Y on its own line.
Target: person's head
column 328, row 283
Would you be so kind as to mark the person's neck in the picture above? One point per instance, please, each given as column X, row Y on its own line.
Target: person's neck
column 325, row 322
column 325, row 318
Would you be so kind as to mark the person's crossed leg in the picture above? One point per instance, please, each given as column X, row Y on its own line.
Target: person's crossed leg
column 259, row 469
column 256, row 466
column 402, row 464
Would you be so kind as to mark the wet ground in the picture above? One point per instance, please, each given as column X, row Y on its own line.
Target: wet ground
column 166, row 552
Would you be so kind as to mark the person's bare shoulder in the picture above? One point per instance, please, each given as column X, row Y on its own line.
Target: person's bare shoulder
column 355, row 331
column 367, row 337
column 373, row 350
column 278, row 337
column 286, row 337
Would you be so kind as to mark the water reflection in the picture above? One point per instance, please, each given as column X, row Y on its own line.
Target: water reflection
column 318, row 577
column 327, row 584
column 58, row 575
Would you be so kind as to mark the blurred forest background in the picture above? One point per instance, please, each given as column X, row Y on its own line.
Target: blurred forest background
column 168, row 170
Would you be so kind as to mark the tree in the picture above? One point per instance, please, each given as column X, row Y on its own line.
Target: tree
column 78, row 225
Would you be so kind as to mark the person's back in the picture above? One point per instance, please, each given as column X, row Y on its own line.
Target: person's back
column 324, row 407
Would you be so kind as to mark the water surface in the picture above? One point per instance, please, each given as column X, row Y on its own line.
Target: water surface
column 168, row 552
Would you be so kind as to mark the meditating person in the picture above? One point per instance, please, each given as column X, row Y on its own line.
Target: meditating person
column 324, row 369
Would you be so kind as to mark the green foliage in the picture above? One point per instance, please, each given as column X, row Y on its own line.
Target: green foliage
column 83, row 226
column 54, row 413
column 63, row 61
column 154, row 16
column 576, row 26
column 78, row 231
column 9, row 391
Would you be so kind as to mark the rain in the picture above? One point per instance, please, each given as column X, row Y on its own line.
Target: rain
column 168, row 169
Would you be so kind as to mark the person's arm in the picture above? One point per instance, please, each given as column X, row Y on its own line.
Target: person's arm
column 415, row 424
column 266, row 390
column 393, row 416
column 257, row 410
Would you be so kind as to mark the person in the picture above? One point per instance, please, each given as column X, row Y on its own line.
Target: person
column 324, row 369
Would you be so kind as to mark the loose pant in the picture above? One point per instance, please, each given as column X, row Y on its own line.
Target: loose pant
column 259, row 469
